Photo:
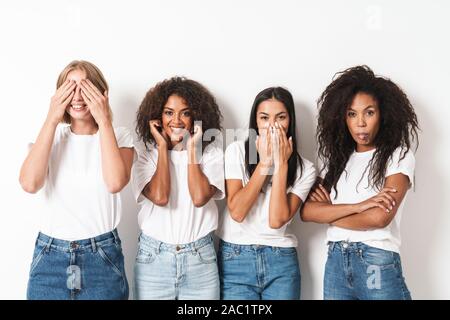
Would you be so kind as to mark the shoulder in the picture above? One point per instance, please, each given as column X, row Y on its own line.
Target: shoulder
column 121, row 131
column 236, row 148
column 62, row 132
column 309, row 170
column 401, row 157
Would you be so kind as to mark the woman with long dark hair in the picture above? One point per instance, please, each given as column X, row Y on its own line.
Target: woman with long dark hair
column 365, row 131
column 267, row 182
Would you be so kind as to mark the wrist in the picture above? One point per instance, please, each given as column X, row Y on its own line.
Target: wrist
column 52, row 121
column 104, row 124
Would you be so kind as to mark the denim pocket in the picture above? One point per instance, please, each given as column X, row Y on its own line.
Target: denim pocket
column 291, row 251
column 112, row 256
column 38, row 253
column 145, row 256
column 377, row 257
column 207, row 254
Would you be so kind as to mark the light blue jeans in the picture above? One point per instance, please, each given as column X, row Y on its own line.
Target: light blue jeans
column 356, row 271
column 183, row 272
column 256, row 272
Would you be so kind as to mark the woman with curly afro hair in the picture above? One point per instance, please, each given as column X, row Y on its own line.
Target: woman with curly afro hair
column 175, row 180
column 366, row 130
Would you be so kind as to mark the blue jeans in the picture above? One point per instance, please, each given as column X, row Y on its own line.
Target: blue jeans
column 256, row 272
column 89, row 269
column 167, row 272
column 355, row 271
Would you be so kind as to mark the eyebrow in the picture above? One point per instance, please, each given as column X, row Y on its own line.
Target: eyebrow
column 187, row 108
column 261, row 112
column 369, row 106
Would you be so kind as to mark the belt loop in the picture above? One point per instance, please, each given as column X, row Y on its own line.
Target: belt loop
column 332, row 244
column 116, row 236
column 93, row 245
column 49, row 243
column 158, row 247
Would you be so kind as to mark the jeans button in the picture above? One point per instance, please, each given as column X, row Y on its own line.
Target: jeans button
column 178, row 248
column 345, row 245
column 73, row 245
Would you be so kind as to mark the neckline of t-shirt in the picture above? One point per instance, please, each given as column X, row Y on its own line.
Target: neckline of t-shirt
column 364, row 154
column 81, row 136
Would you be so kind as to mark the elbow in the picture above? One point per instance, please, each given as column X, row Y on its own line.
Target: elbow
column 161, row 201
column 200, row 201
column 118, row 185
column 29, row 186
column 306, row 215
column 381, row 220
column 236, row 216
column 277, row 223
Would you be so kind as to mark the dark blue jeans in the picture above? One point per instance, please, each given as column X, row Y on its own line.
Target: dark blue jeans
column 85, row 269
column 357, row 271
column 256, row 272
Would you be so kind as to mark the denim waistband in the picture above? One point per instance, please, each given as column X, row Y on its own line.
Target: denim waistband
column 89, row 244
column 146, row 241
column 249, row 247
column 346, row 245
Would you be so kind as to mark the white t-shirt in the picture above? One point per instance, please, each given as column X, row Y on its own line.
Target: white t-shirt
column 76, row 203
column 255, row 229
column 349, row 191
column 179, row 222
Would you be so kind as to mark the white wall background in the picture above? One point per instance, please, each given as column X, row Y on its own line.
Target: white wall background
column 236, row 48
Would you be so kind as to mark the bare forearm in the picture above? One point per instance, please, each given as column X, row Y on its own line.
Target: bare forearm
column 322, row 212
column 365, row 220
column 279, row 212
column 199, row 187
column 243, row 200
column 158, row 189
column 34, row 169
column 115, row 173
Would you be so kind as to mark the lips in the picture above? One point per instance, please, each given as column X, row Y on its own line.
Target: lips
column 177, row 130
column 363, row 136
column 78, row 107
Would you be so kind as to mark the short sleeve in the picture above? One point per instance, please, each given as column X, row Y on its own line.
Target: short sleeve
column 235, row 161
column 405, row 166
column 124, row 137
column 212, row 167
column 303, row 183
column 143, row 170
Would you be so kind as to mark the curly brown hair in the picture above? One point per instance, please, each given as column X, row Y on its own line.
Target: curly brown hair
column 202, row 104
column 398, row 126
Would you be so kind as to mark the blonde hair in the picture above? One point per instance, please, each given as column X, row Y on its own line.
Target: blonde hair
column 92, row 73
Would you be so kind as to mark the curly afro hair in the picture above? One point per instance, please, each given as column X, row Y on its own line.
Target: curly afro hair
column 398, row 123
column 201, row 102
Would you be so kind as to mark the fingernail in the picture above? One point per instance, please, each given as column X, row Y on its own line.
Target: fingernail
column 393, row 203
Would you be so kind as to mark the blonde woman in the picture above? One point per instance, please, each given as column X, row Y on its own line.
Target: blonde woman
column 81, row 168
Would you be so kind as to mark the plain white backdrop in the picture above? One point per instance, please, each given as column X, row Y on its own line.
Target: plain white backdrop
column 236, row 48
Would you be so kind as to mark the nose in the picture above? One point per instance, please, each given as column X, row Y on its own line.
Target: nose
column 361, row 121
column 77, row 95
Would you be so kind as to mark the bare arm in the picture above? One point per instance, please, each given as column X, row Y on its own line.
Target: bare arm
column 376, row 217
column 35, row 167
column 158, row 189
column 200, row 190
column 241, row 199
column 116, row 163
column 282, row 206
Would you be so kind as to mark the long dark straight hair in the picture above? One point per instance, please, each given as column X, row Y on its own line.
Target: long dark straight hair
column 284, row 96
